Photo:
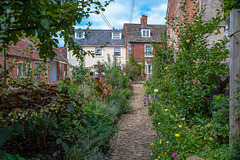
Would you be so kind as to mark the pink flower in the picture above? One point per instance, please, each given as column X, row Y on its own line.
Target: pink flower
column 174, row 154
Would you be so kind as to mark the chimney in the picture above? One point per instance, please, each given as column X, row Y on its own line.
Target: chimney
column 144, row 20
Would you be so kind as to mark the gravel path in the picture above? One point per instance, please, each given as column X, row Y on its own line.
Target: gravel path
column 133, row 139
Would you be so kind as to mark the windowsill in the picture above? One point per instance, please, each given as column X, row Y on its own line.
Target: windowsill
column 98, row 56
column 148, row 56
column 146, row 37
column 118, row 56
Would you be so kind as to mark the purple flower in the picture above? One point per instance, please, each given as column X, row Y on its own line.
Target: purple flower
column 170, row 146
column 174, row 154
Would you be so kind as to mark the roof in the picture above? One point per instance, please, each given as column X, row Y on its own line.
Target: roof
column 62, row 52
column 27, row 48
column 133, row 32
column 100, row 38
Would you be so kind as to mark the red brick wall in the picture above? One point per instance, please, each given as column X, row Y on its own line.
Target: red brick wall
column 12, row 61
column 138, row 51
column 175, row 11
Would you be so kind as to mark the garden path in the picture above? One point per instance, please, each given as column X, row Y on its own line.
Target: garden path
column 136, row 133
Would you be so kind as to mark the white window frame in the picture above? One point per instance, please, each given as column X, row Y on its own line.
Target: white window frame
column 145, row 33
column 148, row 53
column 119, row 52
column 77, row 35
column 98, row 51
column 24, row 69
column 148, row 68
column 116, row 35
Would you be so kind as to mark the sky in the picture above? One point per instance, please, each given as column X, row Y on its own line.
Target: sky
column 119, row 12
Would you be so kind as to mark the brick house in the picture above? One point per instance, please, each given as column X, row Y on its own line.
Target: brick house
column 101, row 43
column 173, row 10
column 139, row 38
column 24, row 55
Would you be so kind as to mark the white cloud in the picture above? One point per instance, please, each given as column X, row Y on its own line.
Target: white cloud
column 118, row 13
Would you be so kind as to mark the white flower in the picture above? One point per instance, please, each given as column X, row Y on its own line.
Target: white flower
column 155, row 90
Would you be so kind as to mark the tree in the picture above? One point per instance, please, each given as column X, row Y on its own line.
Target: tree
column 44, row 19
column 229, row 5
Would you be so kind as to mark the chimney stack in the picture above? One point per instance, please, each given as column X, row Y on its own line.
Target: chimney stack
column 144, row 20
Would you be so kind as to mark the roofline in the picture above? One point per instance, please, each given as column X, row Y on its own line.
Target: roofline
column 11, row 55
column 144, row 42
column 147, row 24
column 30, row 43
column 103, row 45
column 98, row 29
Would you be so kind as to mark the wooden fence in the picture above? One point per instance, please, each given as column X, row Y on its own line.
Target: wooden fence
column 234, row 76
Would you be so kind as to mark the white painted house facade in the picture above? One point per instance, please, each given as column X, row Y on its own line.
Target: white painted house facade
column 101, row 43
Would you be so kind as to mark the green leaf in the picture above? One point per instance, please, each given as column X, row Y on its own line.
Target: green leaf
column 70, row 107
column 59, row 140
column 5, row 134
column 18, row 128
column 65, row 146
column 53, row 123
column 45, row 22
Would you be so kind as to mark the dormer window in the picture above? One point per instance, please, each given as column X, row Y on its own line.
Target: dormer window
column 145, row 32
column 80, row 35
column 116, row 35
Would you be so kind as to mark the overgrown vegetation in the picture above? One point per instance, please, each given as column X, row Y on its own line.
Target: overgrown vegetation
column 187, row 97
column 133, row 69
column 74, row 120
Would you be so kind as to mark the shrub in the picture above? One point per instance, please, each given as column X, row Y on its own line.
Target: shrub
column 185, row 93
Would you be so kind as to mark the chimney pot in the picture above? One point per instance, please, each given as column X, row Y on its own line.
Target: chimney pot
column 144, row 20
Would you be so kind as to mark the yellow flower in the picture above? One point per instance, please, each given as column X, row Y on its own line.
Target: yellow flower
column 177, row 135
column 159, row 123
column 211, row 139
column 183, row 119
column 176, row 115
column 160, row 142
column 156, row 159
column 204, row 138
column 188, row 129
column 158, row 156
column 149, row 129
column 165, row 152
column 152, row 144
column 180, row 126
column 166, row 110
column 174, row 106
column 175, row 119
column 180, row 115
